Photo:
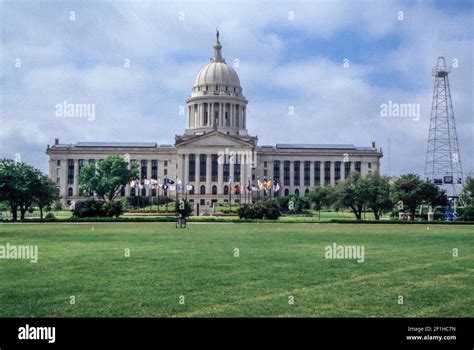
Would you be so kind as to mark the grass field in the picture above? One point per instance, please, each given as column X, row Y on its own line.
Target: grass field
column 276, row 261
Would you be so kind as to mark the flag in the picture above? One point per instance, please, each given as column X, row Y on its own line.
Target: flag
column 269, row 184
column 230, row 181
column 249, row 187
column 189, row 187
column 178, row 181
column 169, row 181
column 276, row 188
column 259, row 184
column 165, row 187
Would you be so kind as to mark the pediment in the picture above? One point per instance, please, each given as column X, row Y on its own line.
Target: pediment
column 214, row 139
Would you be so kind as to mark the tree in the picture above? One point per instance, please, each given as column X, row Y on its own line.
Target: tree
column 18, row 185
column 468, row 191
column 321, row 197
column 45, row 194
column 107, row 178
column 412, row 192
column 350, row 194
column 376, row 190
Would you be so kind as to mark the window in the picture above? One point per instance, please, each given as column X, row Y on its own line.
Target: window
column 202, row 168
column 202, row 189
column 214, row 167
column 191, row 191
column 58, row 162
column 276, row 170
column 91, row 161
column 297, row 192
column 357, row 167
column 166, row 163
column 81, row 163
column 69, row 191
column 58, row 180
column 202, row 202
column 70, row 171
column 265, row 164
column 226, row 170
column 237, row 169
column 287, row 192
column 306, row 191
column 307, row 177
column 347, row 169
column 165, row 172
column 265, row 172
column 214, row 190
column 369, row 165
column 154, row 169
column 144, row 168
column 192, row 168
column 327, row 173
column 317, row 173
column 286, row 173
column 226, row 190
column 58, row 172
column 296, row 178
column 337, row 171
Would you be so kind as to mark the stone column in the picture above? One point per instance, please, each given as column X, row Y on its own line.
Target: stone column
column 148, row 176
column 231, row 171
column 75, row 191
column 282, row 174
column 210, row 114
column 321, row 173
column 311, row 174
column 332, row 173
column 200, row 113
column 343, row 170
column 198, row 170
column 352, row 166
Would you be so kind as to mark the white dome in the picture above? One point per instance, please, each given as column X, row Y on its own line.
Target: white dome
column 217, row 73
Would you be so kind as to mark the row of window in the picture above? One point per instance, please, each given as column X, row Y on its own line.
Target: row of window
column 202, row 191
column 143, row 168
column 317, row 171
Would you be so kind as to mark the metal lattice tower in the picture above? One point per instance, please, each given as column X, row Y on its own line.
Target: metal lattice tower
column 443, row 161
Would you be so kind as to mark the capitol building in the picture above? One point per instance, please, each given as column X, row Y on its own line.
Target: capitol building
column 216, row 152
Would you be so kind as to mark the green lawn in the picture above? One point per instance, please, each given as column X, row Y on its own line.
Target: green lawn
column 276, row 261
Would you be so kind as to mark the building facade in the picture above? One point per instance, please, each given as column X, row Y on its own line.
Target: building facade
column 216, row 157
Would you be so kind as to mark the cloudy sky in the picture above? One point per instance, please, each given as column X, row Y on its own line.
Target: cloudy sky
column 334, row 63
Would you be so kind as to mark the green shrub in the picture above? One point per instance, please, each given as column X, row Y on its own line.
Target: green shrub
column 264, row 209
column 114, row 208
column 183, row 208
column 468, row 213
column 94, row 208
